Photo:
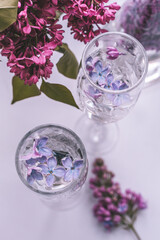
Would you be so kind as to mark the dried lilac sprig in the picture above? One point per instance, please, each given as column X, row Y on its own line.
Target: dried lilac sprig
column 46, row 164
column 141, row 19
column 114, row 208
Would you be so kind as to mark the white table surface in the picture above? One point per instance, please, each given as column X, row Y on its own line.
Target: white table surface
column 135, row 161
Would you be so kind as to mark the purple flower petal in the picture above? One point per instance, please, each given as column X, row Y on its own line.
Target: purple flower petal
column 59, row 172
column 44, row 168
column 31, row 161
column 41, row 142
column 69, row 176
column 36, row 175
column 50, row 179
column 30, row 179
column 42, row 159
column 89, row 59
column 123, row 86
column 93, row 93
column 98, row 66
column 94, row 76
column 117, row 101
column 45, row 151
column 109, row 78
column 105, row 71
column 89, row 65
column 52, row 163
column 76, row 174
column 78, row 164
column 67, row 162
column 101, row 80
column 114, row 86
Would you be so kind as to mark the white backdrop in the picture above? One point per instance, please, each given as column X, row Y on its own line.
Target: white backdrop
column 135, row 161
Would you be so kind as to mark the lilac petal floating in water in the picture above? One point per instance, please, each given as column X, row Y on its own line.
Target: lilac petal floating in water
column 30, row 179
column 109, row 78
column 89, row 65
column 102, row 80
column 42, row 159
column 76, row 173
column 36, row 175
column 44, row 168
column 41, row 142
column 68, row 176
column 114, row 86
column 94, row 76
column 98, row 66
column 50, row 179
column 95, row 94
column 52, row 163
column 31, row 161
column 67, row 162
column 45, row 151
column 59, row 172
column 78, row 163
column 89, row 59
column 123, row 86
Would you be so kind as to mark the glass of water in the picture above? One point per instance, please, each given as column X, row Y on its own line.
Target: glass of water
column 51, row 161
column 114, row 66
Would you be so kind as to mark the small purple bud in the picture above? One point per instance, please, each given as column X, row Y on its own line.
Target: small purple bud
column 117, row 219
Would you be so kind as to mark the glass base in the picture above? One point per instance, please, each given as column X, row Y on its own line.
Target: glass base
column 64, row 204
column 97, row 137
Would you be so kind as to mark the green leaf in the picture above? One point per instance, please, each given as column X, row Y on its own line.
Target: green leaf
column 8, row 13
column 68, row 64
column 22, row 91
column 58, row 92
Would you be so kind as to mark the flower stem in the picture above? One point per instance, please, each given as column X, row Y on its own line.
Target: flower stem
column 135, row 232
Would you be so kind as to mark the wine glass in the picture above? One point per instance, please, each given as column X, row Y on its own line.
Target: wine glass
column 112, row 74
column 51, row 161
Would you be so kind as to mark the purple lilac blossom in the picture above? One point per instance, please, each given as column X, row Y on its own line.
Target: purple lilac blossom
column 113, row 208
column 113, row 53
column 41, row 148
column 72, row 168
column 33, row 161
column 99, row 75
column 33, row 175
column 51, row 171
column 30, row 42
column 141, row 19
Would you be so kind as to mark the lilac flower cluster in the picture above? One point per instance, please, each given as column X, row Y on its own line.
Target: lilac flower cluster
column 84, row 15
column 141, row 19
column 48, row 165
column 113, row 208
column 30, row 41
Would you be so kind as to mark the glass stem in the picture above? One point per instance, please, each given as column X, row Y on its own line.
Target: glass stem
column 97, row 133
column 135, row 232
